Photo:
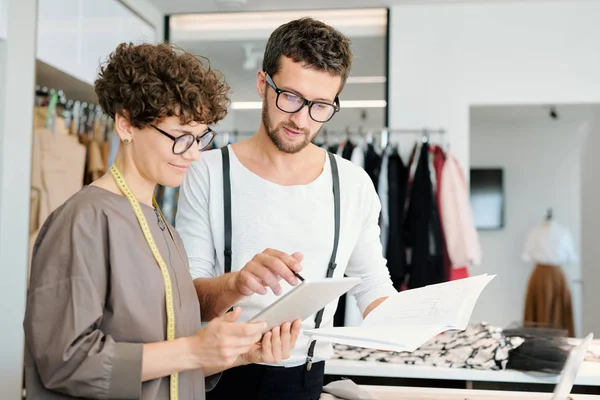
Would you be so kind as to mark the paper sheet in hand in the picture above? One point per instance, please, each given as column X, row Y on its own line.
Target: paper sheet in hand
column 304, row 300
column 408, row 319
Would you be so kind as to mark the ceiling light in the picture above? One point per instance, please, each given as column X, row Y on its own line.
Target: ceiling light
column 259, row 25
column 257, row 105
column 366, row 79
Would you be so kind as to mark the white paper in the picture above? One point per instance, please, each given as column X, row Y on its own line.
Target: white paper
column 347, row 390
column 407, row 320
column 571, row 369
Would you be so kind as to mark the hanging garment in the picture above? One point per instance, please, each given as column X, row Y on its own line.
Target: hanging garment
column 382, row 191
column 395, row 252
column 462, row 240
column 347, row 150
column 57, row 174
column 453, row 273
column 548, row 300
column 358, row 156
column 422, row 231
column 549, row 243
column 372, row 164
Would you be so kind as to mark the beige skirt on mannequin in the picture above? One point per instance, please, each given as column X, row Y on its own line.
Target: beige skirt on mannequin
column 548, row 300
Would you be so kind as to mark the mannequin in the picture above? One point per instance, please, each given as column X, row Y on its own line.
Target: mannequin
column 548, row 300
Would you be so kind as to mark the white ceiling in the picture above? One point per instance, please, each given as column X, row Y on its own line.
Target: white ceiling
column 198, row 6
column 571, row 115
column 229, row 56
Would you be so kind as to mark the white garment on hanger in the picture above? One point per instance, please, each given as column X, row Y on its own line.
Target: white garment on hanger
column 550, row 243
column 358, row 154
column 383, row 192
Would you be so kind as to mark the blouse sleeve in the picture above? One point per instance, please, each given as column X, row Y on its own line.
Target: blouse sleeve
column 65, row 305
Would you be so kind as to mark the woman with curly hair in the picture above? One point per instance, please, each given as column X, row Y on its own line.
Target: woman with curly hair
column 112, row 312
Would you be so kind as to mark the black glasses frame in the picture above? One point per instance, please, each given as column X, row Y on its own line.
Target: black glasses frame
column 305, row 102
column 196, row 139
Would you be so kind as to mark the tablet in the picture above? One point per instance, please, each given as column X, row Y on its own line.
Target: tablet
column 304, row 300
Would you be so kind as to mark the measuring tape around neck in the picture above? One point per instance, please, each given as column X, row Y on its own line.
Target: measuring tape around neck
column 137, row 209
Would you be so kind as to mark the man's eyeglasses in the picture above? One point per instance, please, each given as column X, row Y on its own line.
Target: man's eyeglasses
column 183, row 143
column 291, row 102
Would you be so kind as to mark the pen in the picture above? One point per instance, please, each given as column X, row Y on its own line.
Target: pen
column 298, row 275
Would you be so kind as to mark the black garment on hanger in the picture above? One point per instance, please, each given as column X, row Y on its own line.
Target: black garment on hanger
column 348, row 149
column 373, row 164
column 422, row 228
column 395, row 252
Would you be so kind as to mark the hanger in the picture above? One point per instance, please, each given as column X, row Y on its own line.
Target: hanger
column 425, row 136
column 549, row 214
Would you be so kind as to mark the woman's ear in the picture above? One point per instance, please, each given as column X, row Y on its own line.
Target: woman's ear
column 124, row 128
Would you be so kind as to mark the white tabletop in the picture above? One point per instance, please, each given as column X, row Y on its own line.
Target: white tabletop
column 589, row 374
column 412, row 393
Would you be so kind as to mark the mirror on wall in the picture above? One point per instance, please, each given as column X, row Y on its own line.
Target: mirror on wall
column 527, row 174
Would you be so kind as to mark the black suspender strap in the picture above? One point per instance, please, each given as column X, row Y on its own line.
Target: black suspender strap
column 227, row 207
column 331, row 267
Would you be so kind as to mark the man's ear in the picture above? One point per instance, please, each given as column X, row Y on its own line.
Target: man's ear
column 261, row 83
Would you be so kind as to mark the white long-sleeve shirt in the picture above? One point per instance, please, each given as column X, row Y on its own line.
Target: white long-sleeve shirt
column 291, row 219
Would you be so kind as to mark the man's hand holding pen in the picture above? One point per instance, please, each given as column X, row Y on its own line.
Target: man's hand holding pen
column 266, row 269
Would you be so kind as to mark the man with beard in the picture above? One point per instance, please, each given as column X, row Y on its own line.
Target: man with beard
column 315, row 213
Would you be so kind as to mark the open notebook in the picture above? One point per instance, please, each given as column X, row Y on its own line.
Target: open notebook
column 408, row 319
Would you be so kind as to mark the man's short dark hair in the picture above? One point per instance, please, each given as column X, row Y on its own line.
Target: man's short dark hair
column 310, row 42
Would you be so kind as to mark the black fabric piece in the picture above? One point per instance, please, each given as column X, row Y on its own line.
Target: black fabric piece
column 336, row 239
column 262, row 382
column 426, row 265
column 395, row 251
column 436, row 245
column 227, row 207
column 540, row 355
column 348, row 149
column 373, row 165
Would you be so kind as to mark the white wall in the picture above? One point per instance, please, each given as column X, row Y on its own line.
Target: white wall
column 17, row 72
column 3, row 18
column 590, row 206
column 445, row 58
column 74, row 36
column 541, row 163
column 150, row 13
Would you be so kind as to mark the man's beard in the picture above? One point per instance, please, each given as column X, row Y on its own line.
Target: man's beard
column 276, row 134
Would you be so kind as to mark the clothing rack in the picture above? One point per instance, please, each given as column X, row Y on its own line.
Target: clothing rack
column 386, row 134
column 79, row 116
column 424, row 132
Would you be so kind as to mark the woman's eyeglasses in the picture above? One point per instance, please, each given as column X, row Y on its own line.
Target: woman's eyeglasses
column 183, row 143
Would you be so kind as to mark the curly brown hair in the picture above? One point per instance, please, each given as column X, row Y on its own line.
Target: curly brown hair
column 146, row 83
column 311, row 42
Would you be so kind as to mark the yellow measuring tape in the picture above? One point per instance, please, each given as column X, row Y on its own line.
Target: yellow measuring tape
column 137, row 209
